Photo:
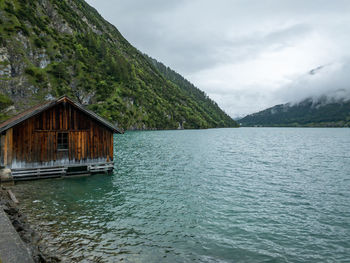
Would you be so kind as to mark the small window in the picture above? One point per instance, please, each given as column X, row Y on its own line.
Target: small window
column 62, row 141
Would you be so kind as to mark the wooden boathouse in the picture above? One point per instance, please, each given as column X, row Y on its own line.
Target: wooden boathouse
column 57, row 138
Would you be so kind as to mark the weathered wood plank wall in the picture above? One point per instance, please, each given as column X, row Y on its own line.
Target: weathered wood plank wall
column 6, row 147
column 35, row 140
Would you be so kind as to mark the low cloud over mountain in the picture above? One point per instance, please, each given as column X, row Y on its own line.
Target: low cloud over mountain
column 332, row 81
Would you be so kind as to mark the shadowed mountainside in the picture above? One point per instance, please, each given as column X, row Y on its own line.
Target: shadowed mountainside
column 322, row 112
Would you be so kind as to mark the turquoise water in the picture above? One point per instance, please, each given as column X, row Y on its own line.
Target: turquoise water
column 218, row 195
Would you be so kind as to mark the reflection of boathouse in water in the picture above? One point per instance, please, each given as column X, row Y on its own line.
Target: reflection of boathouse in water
column 56, row 138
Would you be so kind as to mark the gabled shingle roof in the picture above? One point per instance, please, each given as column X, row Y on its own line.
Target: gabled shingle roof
column 44, row 106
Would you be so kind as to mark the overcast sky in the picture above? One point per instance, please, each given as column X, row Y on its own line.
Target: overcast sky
column 245, row 54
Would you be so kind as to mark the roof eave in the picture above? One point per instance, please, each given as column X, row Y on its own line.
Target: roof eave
column 25, row 117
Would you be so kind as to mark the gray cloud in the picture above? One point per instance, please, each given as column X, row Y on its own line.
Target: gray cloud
column 332, row 81
column 246, row 54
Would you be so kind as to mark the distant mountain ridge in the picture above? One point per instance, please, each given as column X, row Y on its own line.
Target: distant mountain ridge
column 320, row 112
column 50, row 48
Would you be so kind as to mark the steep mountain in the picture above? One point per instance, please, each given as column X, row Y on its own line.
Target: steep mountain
column 49, row 48
column 321, row 112
column 206, row 106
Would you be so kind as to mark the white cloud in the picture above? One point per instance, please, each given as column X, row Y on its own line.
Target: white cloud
column 247, row 55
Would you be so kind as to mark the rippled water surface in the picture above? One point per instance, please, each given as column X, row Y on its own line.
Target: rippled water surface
column 220, row 195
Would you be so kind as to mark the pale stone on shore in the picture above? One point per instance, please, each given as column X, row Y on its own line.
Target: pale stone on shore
column 5, row 174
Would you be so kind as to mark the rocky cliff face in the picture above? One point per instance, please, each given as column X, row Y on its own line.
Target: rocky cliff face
column 49, row 48
column 29, row 44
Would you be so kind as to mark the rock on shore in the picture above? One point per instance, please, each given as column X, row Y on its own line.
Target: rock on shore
column 31, row 239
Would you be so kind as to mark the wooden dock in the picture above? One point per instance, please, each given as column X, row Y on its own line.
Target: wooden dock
column 34, row 173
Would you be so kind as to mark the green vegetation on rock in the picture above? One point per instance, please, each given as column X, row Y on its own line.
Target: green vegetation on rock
column 5, row 102
column 49, row 48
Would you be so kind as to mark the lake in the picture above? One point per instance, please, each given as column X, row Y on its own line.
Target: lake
column 217, row 195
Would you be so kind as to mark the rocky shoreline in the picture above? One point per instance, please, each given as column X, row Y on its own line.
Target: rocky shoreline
column 31, row 239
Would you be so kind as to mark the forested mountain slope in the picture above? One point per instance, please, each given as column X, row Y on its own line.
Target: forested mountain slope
column 206, row 106
column 49, row 48
column 320, row 112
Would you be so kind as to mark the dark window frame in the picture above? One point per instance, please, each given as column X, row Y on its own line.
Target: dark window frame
column 62, row 141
